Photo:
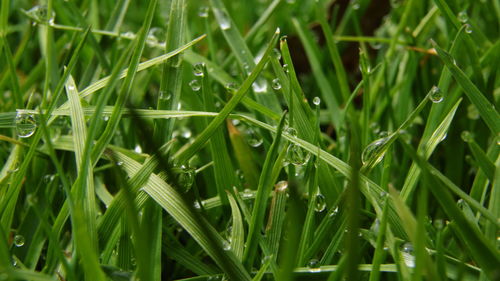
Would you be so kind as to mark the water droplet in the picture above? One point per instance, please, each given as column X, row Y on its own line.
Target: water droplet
column 153, row 35
column 276, row 84
column 333, row 212
column 138, row 149
column 286, row 68
column 297, row 155
column 438, row 224
column 197, row 205
column 203, row 12
column 444, row 137
column 32, row 199
column 320, row 203
column 314, row 265
column 466, row 136
column 19, row 240
column 198, row 69
column 407, row 254
column 128, row 34
column 48, row 178
column 355, row 4
column 119, row 163
column 240, row 175
column 105, row 118
column 254, row 138
column 436, row 96
column 463, row 17
column 395, row 3
column 186, row 177
column 165, row 95
column 25, row 125
column 373, row 152
column 276, row 54
column 260, row 85
column 247, row 193
column 316, row 101
column 472, row 112
column 376, row 226
column 195, row 85
column 291, row 131
column 468, row 28
column 223, row 19
column 71, row 87
column 382, row 194
column 39, row 13
column 383, row 134
column 281, row 186
column 185, row 132
column 231, row 86
column 226, row 245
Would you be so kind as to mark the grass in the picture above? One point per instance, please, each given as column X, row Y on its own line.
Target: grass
column 249, row 140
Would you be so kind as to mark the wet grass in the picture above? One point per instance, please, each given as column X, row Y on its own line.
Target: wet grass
column 249, row 140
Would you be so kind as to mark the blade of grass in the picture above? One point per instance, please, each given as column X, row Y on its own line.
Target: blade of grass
column 237, row 230
column 86, row 196
column 171, row 81
column 486, row 110
column 263, row 189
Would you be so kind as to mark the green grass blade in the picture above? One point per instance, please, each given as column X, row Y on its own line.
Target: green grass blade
column 171, row 82
column 486, row 110
column 237, row 230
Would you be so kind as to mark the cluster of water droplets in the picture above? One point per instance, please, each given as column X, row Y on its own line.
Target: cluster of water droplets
column 407, row 254
column 464, row 18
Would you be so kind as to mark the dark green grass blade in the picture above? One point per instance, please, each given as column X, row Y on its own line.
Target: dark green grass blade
column 481, row 249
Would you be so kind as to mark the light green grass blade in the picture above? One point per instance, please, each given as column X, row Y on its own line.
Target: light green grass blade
column 86, row 197
column 171, row 80
column 237, row 230
column 426, row 148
